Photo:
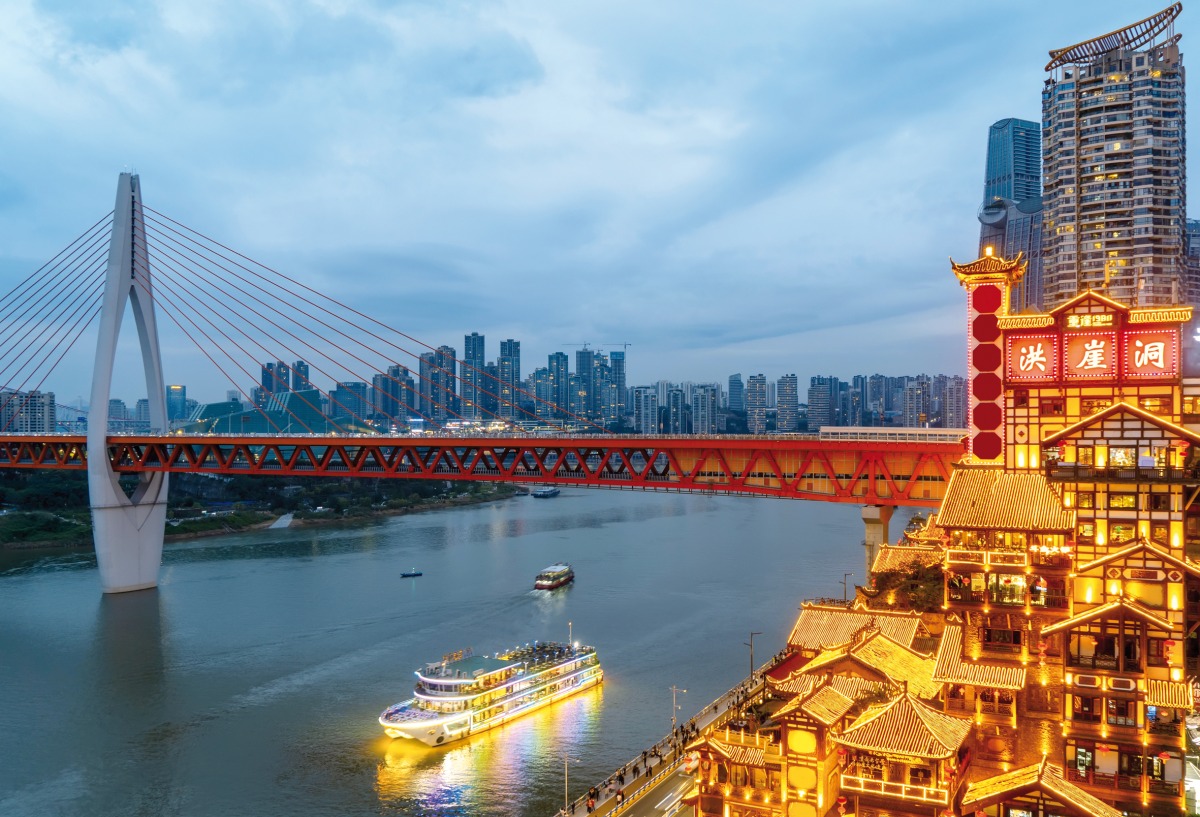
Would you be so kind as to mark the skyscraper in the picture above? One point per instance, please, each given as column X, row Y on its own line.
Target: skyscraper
column 300, row 381
column 756, row 404
column 508, row 365
column 1113, row 180
column 823, row 396
column 737, row 393
column 559, row 366
column 473, row 376
column 616, row 362
column 787, row 406
column 704, row 408
column 1011, row 216
column 585, row 367
column 1014, row 161
column 645, row 410
column 176, row 404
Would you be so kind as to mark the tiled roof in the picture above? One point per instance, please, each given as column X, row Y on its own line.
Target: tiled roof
column 1169, row 693
column 952, row 668
column 1044, row 776
column 1139, row 545
column 1114, row 609
column 820, row 626
column 744, row 755
column 849, row 686
column 906, row 557
column 931, row 531
column 875, row 652
column 786, row 668
column 827, row 705
column 905, row 726
column 1122, row 408
column 988, row 498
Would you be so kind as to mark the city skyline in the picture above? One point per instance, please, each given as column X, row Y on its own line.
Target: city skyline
column 687, row 200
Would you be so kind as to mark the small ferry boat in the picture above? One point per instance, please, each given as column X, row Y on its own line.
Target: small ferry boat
column 553, row 577
column 464, row 693
column 545, row 493
column 408, row 574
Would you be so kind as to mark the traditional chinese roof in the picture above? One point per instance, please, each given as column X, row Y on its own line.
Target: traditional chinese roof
column 735, row 753
column 986, row 497
column 906, row 557
column 1142, row 545
column 905, row 726
column 875, row 653
column 821, row 626
column 1122, row 408
column 786, row 668
column 1129, row 38
column 1123, row 606
column 1089, row 295
column 952, row 668
column 990, row 267
column 801, row 684
column 1044, row 776
column 827, row 705
column 1175, row 694
column 931, row 531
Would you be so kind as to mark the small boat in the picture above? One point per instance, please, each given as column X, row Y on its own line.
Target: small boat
column 465, row 693
column 408, row 574
column 544, row 493
column 554, row 576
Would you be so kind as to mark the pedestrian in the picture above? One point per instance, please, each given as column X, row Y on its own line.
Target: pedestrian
column 591, row 806
column 620, row 796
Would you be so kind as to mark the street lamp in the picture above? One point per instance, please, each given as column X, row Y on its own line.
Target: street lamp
column 566, row 797
column 750, row 644
column 844, row 577
column 674, row 705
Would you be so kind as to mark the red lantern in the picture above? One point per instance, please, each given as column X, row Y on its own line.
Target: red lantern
column 1164, row 756
column 841, row 752
column 1169, row 643
column 841, row 801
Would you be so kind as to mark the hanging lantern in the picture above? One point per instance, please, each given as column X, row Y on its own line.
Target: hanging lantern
column 841, row 752
column 1164, row 756
column 1169, row 643
column 841, row 801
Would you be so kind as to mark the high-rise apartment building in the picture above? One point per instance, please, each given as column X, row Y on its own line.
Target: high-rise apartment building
column 676, row 414
column 585, row 368
column 823, row 398
column 756, row 404
column 1113, row 166
column 616, row 362
column 508, row 365
column 705, row 398
column 787, row 406
column 300, row 381
column 473, row 376
column 645, row 410
column 559, row 366
column 34, row 412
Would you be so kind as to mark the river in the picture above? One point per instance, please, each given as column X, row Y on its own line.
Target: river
column 250, row 681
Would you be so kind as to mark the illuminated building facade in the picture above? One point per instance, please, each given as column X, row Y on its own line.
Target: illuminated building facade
column 1113, row 144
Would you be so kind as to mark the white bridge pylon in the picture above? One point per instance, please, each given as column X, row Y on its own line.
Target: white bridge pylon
column 128, row 530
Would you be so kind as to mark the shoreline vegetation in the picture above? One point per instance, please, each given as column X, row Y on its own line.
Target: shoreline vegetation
column 48, row 517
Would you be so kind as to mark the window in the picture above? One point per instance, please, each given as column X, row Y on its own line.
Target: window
column 1090, row 405
column 1160, row 502
column 1021, row 398
column 1120, row 457
column 1156, row 405
column 1085, row 708
column 1003, row 640
column 1126, row 502
column 1122, row 713
column 1120, row 533
column 1085, row 500
column 1053, row 407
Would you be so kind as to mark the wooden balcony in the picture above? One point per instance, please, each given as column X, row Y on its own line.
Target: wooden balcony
column 904, row 791
column 1074, row 472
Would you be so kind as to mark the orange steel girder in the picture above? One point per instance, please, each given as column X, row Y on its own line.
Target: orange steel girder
column 864, row 472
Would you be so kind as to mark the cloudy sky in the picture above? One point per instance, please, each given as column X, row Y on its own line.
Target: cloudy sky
column 748, row 187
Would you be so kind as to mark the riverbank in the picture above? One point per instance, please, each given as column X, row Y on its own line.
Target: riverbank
column 81, row 536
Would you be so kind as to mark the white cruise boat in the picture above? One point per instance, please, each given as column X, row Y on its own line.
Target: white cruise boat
column 465, row 693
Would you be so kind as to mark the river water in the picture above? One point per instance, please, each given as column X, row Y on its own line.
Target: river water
column 250, row 681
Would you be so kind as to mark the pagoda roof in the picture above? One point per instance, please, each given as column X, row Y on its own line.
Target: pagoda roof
column 931, row 531
column 990, row 267
column 953, row 668
column 877, row 653
column 906, row 557
column 801, row 684
column 820, row 626
column 1122, row 408
column 1114, row 609
column 734, row 753
column 905, row 726
column 1128, row 38
column 986, row 497
column 1140, row 545
column 1176, row 694
column 1045, row 777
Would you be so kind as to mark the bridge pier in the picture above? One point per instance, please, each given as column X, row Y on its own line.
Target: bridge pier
column 127, row 529
column 875, row 518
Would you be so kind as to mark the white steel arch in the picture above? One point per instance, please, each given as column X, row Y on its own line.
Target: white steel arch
column 128, row 531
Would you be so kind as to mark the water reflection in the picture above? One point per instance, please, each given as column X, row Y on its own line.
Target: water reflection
column 490, row 771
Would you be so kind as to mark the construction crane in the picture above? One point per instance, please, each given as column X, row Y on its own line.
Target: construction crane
column 584, row 345
column 625, row 346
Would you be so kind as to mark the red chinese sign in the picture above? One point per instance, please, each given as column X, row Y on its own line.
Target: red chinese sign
column 1032, row 357
column 1152, row 353
column 1090, row 356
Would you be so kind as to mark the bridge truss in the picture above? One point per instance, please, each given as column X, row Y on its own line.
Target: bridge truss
column 863, row 472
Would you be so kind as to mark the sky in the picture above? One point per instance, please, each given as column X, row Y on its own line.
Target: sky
column 747, row 187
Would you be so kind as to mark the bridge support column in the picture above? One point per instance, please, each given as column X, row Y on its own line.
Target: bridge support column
column 127, row 530
column 876, row 518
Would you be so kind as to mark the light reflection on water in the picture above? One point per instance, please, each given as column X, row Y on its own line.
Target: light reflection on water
column 250, row 682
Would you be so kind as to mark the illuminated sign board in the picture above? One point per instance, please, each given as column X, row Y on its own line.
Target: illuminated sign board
column 1032, row 357
column 1151, row 353
column 1090, row 355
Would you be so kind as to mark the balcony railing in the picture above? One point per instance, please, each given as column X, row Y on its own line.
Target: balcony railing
column 1126, row 782
column 1164, row 728
column 1074, row 472
column 867, row 785
column 1092, row 661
